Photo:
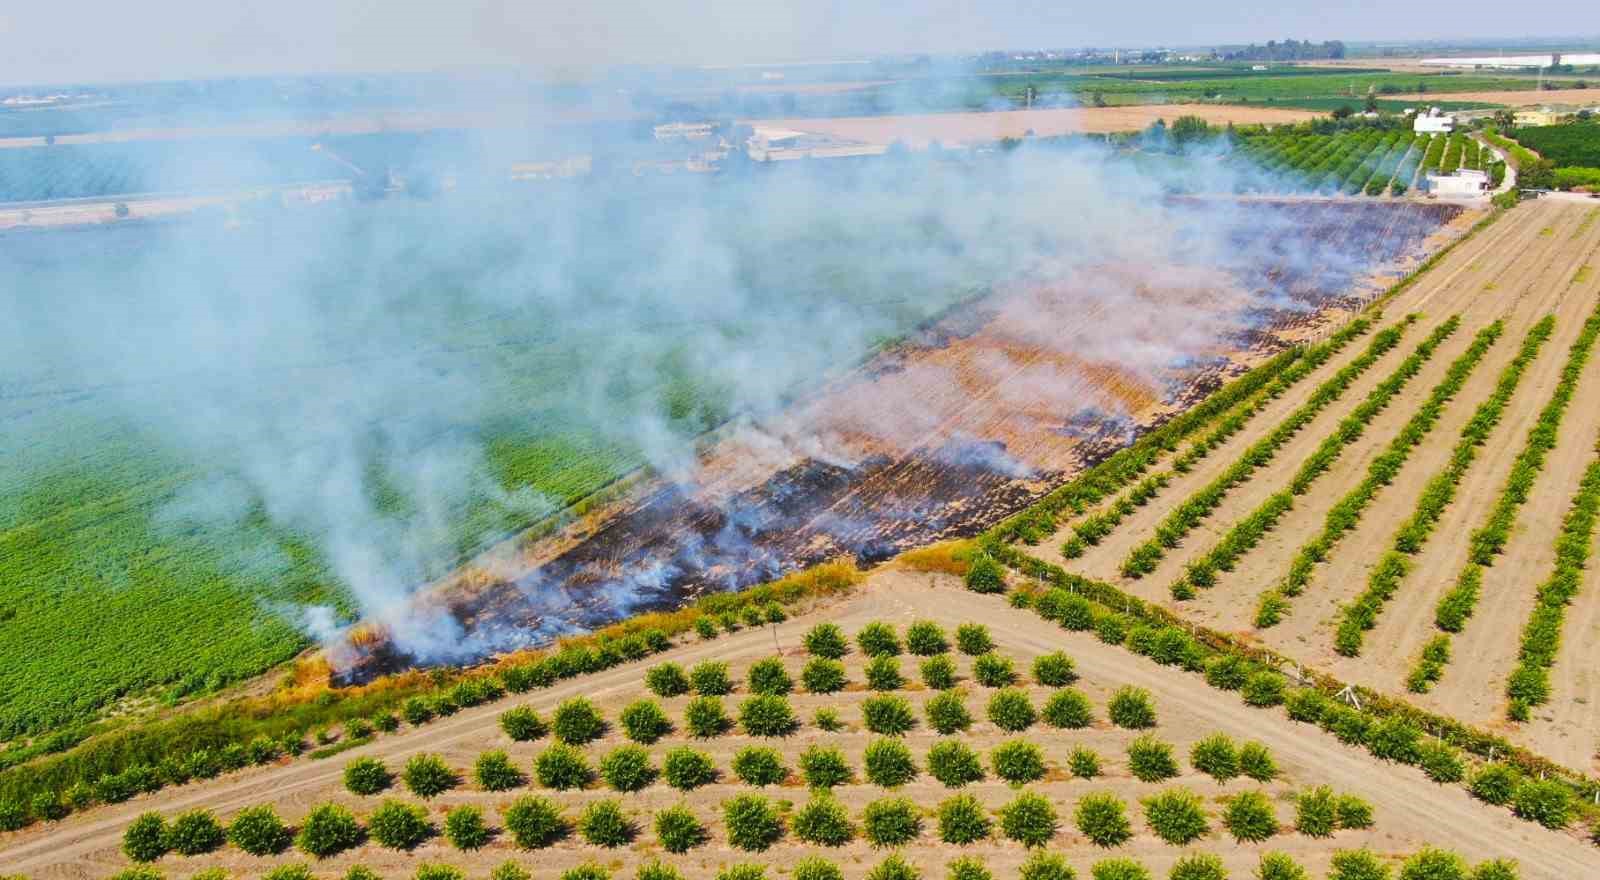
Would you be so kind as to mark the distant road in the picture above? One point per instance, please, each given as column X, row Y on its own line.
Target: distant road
column 918, row 130
column 79, row 212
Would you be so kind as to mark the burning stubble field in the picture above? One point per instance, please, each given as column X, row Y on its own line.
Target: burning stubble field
column 965, row 423
column 1415, row 516
column 933, row 744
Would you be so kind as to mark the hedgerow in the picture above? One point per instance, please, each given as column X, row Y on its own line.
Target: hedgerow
column 1244, row 535
column 1199, row 505
column 1346, row 512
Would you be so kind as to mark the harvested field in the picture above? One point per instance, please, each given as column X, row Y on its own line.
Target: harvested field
column 956, row 428
column 1518, row 271
column 1408, row 809
column 916, row 131
column 1520, row 98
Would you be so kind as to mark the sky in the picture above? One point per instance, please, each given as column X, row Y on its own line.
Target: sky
column 50, row 41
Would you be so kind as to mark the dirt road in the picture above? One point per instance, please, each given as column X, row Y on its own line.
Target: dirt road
column 1410, row 811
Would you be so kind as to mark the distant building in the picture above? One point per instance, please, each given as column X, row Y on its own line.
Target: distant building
column 1433, row 122
column 685, row 131
column 1258, row 67
column 1543, row 116
column 1465, row 183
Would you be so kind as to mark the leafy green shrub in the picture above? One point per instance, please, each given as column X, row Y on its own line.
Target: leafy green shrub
column 1216, row 757
column 1011, row 710
column 1118, row 869
column 816, row 868
column 437, row 871
column 752, row 822
column 894, row 868
column 1151, row 760
column 1264, row 689
column 327, row 830
column 1255, row 761
column 534, row 822
column 1068, row 709
column 587, row 870
column 145, row 838
column 1441, row 763
column 1249, row 817
column 1495, row 869
column 666, row 680
column 711, row 679
column 1045, row 866
column 823, row 767
column 1132, row 708
column 577, row 721
column 1227, row 672
column 823, row 676
column 993, row 670
column 1544, row 801
column 1352, row 812
column 705, row 628
column 195, row 832
column 1279, row 866
column 627, row 768
column 973, row 639
column 1198, row 866
column 137, row 872
column 1395, row 739
column 767, row 676
column 767, row 715
column 985, row 575
column 258, row 831
column 883, row 674
column 296, row 871
column 827, row 718
column 888, row 763
column 1017, row 762
column 939, row 673
column 399, row 825
column 522, row 724
column 562, row 767
column 826, row 640
column 759, row 766
column 963, row 820
column 1103, row 818
column 1176, row 815
column 953, row 763
column 925, row 639
column 823, row 821
column 967, row 868
column 1054, row 670
column 366, row 776
column 1357, row 864
column 1083, row 763
column 678, row 830
column 1029, row 819
column 428, row 775
column 1316, row 812
column 878, row 639
column 644, row 721
column 493, row 771
column 705, row 717
column 947, row 712
column 507, row 870
column 1495, row 784
column 888, row 715
column 1345, row 723
column 745, row 871
column 890, row 822
column 603, row 823
column 464, row 827
column 686, row 769
column 1433, row 864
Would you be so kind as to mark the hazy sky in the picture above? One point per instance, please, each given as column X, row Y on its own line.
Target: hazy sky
column 43, row 41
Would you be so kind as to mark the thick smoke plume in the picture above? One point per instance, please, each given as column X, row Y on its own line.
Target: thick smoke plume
column 338, row 377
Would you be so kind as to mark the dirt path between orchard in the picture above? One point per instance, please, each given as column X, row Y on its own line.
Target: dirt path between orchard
column 1411, row 811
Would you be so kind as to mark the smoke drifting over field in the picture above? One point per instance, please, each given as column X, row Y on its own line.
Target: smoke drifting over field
column 339, row 378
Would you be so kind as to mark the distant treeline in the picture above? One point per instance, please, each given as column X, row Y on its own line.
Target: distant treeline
column 1288, row 50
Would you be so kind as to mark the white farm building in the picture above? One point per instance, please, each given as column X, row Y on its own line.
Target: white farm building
column 1432, row 121
column 1463, row 184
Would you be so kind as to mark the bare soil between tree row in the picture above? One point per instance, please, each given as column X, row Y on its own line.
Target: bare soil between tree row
column 1410, row 811
column 1519, row 270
